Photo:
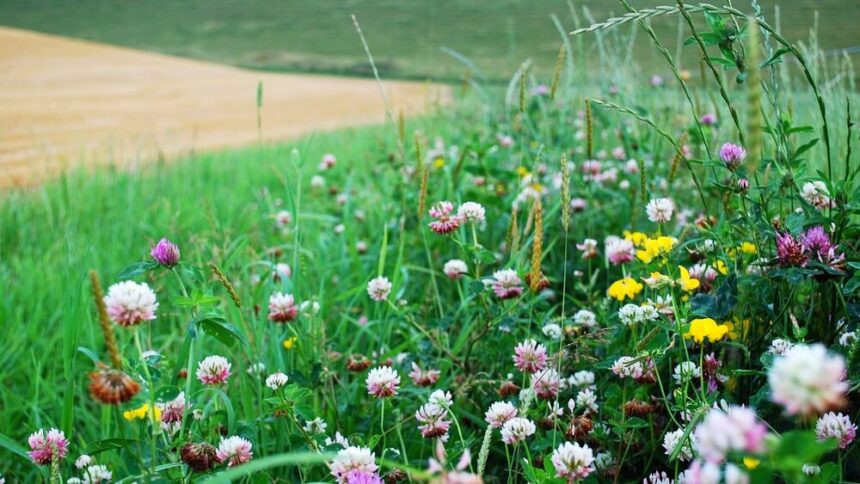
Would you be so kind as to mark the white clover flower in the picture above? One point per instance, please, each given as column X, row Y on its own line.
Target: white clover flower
column 472, row 212
column 315, row 426
column 660, row 210
column 277, row 380
column 378, row 288
column 780, row 346
column 83, row 461
column 499, row 413
column 130, row 303
column 582, row 379
column 455, row 269
column 516, row 430
column 572, row 461
column 587, row 399
column 816, row 194
column 675, row 440
column 352, row 458
column 721, row 432
column 848, row 338
column 95, row 474
column 552, row 331
column 585, row 318
column 441, row 398
column 836, row 426
column 686, row 371
column 807, row 380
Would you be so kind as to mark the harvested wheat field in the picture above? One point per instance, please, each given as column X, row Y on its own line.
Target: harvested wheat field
column 68, row 102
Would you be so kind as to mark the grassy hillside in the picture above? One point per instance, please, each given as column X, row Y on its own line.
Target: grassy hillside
column 405, row 36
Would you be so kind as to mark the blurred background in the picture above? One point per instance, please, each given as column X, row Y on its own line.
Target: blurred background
column 406, row 36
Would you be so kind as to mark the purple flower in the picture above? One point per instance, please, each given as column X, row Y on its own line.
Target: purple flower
column 743, row 185
column 789, row 252
column 708, row 119
column 358, row 476
column 165, row 253
column 732, row 155
column 816, row 241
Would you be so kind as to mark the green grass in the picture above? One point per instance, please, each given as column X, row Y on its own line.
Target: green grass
column 219, row 208
column 405, row 37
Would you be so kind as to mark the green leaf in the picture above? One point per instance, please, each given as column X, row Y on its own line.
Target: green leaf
column 223, row 331
column 136, row 269
column 108, row 444
column 716, row 23
column 775, row 58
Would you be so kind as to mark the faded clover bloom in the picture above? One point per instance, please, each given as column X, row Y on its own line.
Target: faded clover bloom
column 585, row 318
column 213, row 370
column 47, row 446
column 455, row 269
column 836, row 426
column 234, row 451
column 506, row 284
column 383, row 382
column 282, row 308
column 352, row 459
column 444, row 222
column 530, row 356
column 816, row 194
column 499, row 413
column 736, row 429
column 423, row 378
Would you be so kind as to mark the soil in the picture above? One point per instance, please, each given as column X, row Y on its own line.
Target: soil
column 66, row 103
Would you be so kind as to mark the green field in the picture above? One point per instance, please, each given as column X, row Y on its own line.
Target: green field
column 406, row 37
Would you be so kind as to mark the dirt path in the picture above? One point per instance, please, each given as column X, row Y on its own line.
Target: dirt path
column 66, row 102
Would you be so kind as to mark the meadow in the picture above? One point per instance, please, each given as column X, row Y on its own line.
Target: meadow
column 573, row 277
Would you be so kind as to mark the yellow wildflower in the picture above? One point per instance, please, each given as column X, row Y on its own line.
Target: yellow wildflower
column 751, row 462
column 140, row 413
column 290, row 342
column 721, row 267
column 439, row 163
column 654, row 248
column 638, row 238
column 706, row 328
column 748, row 248
column 624, row 288
column 687, row 283
column 523, row 171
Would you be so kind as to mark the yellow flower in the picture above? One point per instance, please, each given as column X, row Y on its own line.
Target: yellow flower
column 624, row 288
column 751, row 462
column 654, row 248
column 706, row 328
column 290, row 342
column 537, row 187
column 687, row 283
column 721, row 267
column 439, row 163
column 657, row 280
column 638, row 238
column 523, row 171
column 140, row 413
column 748, row 248
column 737, row 328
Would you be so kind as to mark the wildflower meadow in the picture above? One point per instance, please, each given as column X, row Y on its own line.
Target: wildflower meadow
column 606, row 274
